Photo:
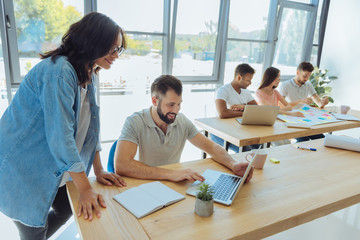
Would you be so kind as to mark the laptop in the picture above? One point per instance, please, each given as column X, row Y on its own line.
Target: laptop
column 225, row 186
column 259, row 115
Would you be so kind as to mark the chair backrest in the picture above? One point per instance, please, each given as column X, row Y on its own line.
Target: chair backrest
column 110, row 165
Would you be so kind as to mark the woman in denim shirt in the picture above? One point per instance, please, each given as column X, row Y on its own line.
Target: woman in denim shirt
column 50, row 131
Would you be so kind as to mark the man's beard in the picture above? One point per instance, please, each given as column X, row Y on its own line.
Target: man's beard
column 165, row 117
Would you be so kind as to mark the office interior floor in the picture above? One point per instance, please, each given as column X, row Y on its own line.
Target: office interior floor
column 343, row 224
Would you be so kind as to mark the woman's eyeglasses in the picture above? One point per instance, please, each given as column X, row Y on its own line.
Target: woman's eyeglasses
column 118, row 50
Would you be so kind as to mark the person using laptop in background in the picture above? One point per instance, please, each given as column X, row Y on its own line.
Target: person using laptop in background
column 268, row 95
column 300, row 91
column 231, row 99
column 160, row 133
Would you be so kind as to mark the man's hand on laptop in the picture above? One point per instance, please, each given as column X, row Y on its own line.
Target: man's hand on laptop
column 240, row 168
column 185, row 174
column 237, row 107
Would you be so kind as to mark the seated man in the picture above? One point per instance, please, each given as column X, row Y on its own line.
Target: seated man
column 300, row 91
column 231, row 99
column 160, row 133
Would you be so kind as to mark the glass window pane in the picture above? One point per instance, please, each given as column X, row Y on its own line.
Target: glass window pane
column 317, row 26
column 291, row 37
column 3, row 93
column 314, row 55
column 302, row 1
column 247, row 20
column 128, row 82
column 195, row 40
column 40, row 26
column 135, row 15
column 244, row 52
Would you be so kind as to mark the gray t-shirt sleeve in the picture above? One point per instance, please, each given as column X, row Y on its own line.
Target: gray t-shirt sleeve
column 282, row 89
column 129, row 131
column 191, row 129
column 311, row 88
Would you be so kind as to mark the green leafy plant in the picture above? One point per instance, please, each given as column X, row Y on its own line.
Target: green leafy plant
column 321, row 81
column 206, row 192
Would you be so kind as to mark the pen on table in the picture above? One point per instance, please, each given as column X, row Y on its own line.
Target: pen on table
column 307, row 148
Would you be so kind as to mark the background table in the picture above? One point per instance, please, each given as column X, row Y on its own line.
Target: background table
column 305, row 185
column 242, row 135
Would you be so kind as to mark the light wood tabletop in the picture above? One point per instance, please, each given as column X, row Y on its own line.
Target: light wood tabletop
column 242, row 135
column 305, row 185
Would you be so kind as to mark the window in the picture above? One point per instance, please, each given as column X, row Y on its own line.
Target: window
column 294, row 36
column 247, row 37
column 196, row 34
column 125, row 88
column 39, row 28
column 3, row 94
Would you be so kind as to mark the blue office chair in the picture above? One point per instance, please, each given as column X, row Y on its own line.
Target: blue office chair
column 110, row 165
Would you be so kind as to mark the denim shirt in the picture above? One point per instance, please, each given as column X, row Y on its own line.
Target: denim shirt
column 37, row 140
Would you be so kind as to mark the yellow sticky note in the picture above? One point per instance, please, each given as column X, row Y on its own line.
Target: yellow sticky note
column 274, row 160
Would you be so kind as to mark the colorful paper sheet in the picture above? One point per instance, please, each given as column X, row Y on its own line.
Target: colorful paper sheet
column 312, row 116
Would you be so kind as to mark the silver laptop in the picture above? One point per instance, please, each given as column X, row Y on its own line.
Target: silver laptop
column 259, row 115
column 225, row 186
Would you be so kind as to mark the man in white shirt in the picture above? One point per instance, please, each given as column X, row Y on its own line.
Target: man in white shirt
column 231, row 99
column 160, row 133
column 299, row 90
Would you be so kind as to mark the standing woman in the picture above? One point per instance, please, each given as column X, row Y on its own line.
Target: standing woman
column 50, row 131
column 268, row 95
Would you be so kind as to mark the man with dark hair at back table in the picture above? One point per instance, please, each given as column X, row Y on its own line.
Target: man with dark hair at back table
column 160, row 132
column 231, row 99
column 300, row 91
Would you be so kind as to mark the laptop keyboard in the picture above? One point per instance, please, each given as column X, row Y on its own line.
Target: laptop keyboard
column 224, row 186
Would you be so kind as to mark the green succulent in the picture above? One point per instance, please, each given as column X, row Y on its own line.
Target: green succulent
column 206, row 192
column 321, row 81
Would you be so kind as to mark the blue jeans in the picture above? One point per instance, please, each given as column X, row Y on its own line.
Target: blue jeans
column 60, row 213
column 233, row 147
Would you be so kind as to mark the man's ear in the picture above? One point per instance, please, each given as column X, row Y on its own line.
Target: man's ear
column 239, row 77
column 154, row 101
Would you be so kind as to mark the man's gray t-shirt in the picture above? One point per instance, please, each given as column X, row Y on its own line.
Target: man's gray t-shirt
column 292, row 92
column 156, row 148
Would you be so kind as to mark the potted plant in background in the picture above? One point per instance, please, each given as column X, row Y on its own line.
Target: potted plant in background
column 321, row 82
column 204, row 203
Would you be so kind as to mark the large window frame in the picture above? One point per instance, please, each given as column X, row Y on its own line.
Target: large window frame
column 11, row 57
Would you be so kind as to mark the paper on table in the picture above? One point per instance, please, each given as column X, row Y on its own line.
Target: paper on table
column 345, row 117
column 342, row 142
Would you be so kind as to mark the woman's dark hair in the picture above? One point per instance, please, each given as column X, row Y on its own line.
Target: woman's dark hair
column 87, row 40
column 269, row 76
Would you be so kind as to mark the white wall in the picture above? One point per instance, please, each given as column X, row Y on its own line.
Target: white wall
column 341, row 51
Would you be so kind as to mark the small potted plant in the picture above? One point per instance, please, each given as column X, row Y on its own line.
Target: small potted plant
column 204, row 203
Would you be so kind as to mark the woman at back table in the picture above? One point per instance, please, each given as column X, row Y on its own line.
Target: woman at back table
column 50, row 131
column 267, row 94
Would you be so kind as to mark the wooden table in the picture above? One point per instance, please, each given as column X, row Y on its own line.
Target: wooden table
column 305, row 185
column 242, row 135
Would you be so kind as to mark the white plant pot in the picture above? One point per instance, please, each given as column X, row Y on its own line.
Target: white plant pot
column 204, row 208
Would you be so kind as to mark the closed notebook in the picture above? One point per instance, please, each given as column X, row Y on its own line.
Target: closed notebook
column 147, row 198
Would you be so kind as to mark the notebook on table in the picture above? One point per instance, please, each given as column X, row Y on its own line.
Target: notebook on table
column 225, row 186
column 147, row 198
column 259, row 115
